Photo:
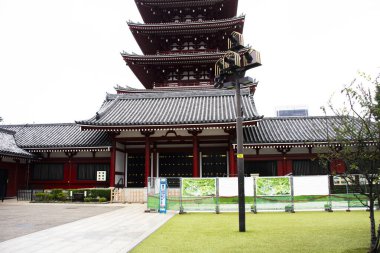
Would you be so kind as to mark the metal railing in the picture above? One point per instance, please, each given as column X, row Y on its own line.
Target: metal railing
column 27, row 194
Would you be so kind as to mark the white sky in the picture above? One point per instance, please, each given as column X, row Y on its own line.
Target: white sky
column 58, row 58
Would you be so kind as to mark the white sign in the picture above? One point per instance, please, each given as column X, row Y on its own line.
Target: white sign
column 311, row 185
column 101, row 175
column 228, row 186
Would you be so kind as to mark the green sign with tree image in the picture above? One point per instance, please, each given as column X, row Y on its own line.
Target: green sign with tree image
column 273, row 186
column 197, row 187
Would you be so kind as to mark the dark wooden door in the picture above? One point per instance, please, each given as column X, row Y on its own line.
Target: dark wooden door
column 3, row 183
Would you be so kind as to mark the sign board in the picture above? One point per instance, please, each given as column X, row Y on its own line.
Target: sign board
column 101, row 175
column 311, row 185
column 163, row 195
column 273, row 186
column 198, row 187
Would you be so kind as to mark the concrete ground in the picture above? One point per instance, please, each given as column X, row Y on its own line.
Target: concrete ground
column 75, row 227
column 22, row 218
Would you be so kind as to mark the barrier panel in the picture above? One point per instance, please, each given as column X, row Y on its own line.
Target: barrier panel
column 285, row 193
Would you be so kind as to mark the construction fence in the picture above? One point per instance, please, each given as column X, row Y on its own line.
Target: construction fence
column 286, row 193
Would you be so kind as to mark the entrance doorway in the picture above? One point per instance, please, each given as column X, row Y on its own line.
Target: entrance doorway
column 263, row 168
column 3, row 183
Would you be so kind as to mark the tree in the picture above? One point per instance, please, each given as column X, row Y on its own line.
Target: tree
column 356, row 143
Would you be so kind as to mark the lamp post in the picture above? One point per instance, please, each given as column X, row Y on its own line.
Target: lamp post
column 240, row 157
column 233, row 66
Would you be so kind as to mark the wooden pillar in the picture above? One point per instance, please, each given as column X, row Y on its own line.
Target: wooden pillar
column 147, row 155
column 231, row 152
column 155, row 161
column 113, row 165
column 285, row 164
column 70, row 155
column 195, row 152
column 113, row 159
column 147, row 160
column 195, row 157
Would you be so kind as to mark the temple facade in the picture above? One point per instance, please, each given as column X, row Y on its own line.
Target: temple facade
column 178, row 126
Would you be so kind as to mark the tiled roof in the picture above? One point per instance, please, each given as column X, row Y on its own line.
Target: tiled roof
column 289, row 130
column 8, row 146
column 204, row 24
column 51, row 136
column 184, row 107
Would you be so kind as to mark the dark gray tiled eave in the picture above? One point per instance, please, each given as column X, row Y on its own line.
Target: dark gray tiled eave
column 291, row 130
column 8, row 146
column 57, row 136
column 174, row 108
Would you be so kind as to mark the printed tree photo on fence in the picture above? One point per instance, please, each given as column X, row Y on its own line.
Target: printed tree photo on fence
column 355, row 143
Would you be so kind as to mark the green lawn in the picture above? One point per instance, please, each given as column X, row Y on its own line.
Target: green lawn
column 266, row 232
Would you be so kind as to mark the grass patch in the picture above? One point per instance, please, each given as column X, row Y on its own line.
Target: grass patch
column 266, row 232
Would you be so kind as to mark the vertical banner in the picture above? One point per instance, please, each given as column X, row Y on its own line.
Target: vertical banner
column 163, row 195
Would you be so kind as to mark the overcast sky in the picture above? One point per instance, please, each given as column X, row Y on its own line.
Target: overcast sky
column 58, row 58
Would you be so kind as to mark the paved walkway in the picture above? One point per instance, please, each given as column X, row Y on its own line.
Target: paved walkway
column 115, row 231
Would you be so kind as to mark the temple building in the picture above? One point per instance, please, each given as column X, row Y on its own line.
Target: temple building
column 178, row 126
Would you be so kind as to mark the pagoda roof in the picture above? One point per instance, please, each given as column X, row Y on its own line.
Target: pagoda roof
column 175, row 58
column 138, row 63
column 282, row 132
column 127, row 89
column 8, row 146
column 58, row 137
column 182, row 109
column 186, row 26
column 147, row 7
column 148, row 35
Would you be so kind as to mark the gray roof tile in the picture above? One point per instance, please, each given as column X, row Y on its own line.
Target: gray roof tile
column 8, row 146
column 292, row 130
column 172, row 108
column 62, row 135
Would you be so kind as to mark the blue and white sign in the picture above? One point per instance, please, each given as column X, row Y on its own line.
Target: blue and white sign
column 163, row 195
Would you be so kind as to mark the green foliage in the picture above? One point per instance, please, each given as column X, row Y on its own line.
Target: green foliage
column 99, row 193
column 88, row 199
column 43, row 197
column 59, row 195
column 93, row 195
column 102, row 199
column 356, row 141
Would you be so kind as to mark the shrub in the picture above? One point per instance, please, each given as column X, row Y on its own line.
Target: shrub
column 102, row 193
column 43, row 197
column 102, row 199
column 62, row 196
column 94, row 194
column 89, row 199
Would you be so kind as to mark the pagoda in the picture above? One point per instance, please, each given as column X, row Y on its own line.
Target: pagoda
column 181, row 41
column 179, row 125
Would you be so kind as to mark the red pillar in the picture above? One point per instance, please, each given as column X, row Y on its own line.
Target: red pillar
column 147, row 159
column 155, row 162
column 112, row 169
column 16, row 175
column 195, row 156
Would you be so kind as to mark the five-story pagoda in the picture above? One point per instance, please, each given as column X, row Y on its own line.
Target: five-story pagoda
column 180, row 125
